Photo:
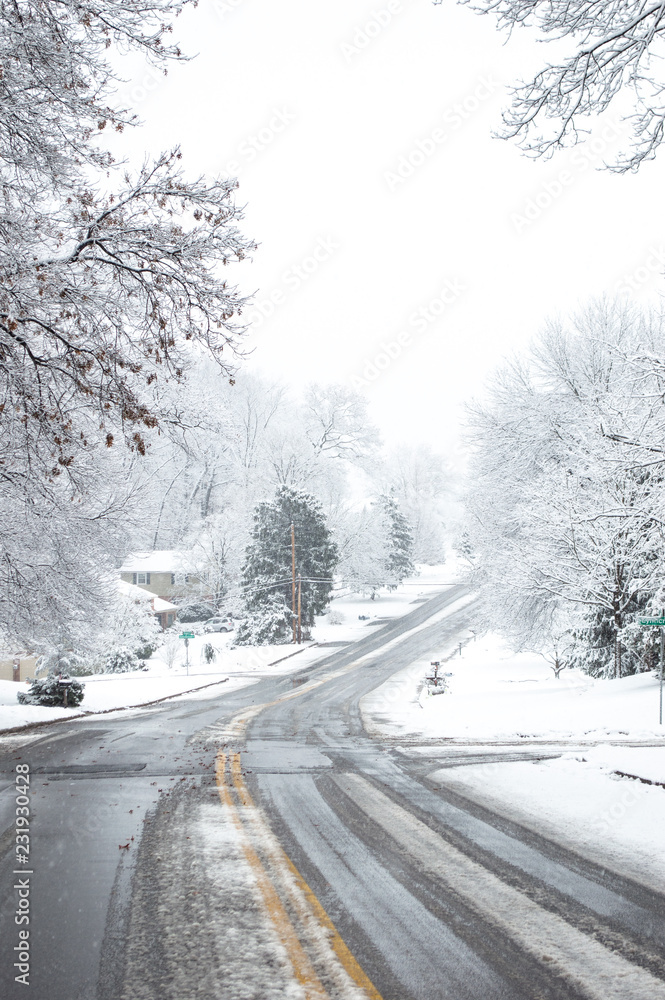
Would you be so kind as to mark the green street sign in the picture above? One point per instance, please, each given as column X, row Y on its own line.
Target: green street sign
column 186, row 635
column 656, row 622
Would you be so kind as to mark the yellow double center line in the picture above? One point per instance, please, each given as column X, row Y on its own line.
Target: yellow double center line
column 305, row 901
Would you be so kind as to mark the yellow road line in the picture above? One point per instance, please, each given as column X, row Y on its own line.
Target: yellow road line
column 346, row 959
column 302, row 967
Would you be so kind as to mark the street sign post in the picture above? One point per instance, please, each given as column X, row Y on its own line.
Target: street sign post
column 186, row 636
column 658, row 623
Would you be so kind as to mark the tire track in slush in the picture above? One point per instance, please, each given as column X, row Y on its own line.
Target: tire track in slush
column 585, row 963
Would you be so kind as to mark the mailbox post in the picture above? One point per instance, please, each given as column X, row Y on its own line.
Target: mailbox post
column 64, row 684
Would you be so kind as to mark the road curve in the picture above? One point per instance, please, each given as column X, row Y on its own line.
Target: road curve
column 362, row 878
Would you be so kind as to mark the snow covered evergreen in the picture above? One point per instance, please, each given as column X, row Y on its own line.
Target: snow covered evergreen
column 378, row 549
column 267, row 574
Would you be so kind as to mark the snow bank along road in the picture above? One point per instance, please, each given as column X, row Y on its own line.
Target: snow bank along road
column 261, row 845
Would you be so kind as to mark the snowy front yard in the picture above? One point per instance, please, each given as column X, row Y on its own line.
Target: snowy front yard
column 497, row 695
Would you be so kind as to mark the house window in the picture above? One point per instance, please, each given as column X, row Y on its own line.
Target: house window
column 170, row 618
column 142, row 579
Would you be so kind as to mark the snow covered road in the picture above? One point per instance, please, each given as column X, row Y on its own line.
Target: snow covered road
column 262, row 845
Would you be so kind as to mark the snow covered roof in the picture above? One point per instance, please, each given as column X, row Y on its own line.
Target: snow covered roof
column 160, row 605
column 137, row 593
column 141, row 594
column 159, row 561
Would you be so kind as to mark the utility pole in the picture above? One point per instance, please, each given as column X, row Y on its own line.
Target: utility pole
column 299, row 607
column 293, row 582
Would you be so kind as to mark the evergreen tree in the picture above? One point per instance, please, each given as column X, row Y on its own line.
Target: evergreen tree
column 399, row 555
column 267, row 574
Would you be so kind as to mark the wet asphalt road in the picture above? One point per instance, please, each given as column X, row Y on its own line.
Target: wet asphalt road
column 435, row 896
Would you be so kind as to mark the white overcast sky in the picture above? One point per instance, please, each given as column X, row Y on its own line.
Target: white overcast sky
column 333, row 122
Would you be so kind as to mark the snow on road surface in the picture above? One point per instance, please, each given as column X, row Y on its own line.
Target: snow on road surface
column 498, row 701
column 576, row 800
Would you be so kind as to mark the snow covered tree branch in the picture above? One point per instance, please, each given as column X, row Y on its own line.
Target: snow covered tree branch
column 113, row 285
column 618, row 48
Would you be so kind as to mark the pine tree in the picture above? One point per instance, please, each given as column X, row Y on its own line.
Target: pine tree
column 267, row 574
column 399, row 557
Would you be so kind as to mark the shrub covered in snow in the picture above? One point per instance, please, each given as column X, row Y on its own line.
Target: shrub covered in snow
column 120, row 661
column 50, row 692
column 265, row 626
column 196, row 611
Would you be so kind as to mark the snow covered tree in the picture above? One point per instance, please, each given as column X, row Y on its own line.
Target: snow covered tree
column 63, row 660
column 133, row 625
column 337, row 423
column 111, row 284
column 562, row 517
column 376, row 548
column 364, row 552
column 464, row 548
column 399, row 556
column 267, row 574
column 614, row 61
column 420, row 480
column 104, row 287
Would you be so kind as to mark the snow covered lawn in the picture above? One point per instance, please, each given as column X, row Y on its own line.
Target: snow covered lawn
column 494, row 694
